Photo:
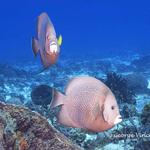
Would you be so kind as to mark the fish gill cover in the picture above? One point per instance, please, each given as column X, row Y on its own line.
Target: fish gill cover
column 106, row 40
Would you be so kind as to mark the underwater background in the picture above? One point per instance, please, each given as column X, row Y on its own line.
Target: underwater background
column 109, row 40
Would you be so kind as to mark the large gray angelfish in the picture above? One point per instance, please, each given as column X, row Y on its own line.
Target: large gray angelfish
column 88, row 103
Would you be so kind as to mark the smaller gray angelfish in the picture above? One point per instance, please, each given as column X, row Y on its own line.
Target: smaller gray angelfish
column 46, row 42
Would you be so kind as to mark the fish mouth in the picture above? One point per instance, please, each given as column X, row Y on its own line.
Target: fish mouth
column 53, row 47
column 118, row 119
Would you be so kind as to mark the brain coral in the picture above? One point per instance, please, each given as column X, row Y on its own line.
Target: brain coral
column 23, row 129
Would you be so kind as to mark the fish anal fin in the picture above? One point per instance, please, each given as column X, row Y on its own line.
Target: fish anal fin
column 58, row 99
column 35, row 46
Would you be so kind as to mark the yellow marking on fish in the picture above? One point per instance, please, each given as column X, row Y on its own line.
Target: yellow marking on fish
column 59, row 40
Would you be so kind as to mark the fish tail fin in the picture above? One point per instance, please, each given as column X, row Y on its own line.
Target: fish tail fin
column 35, row 46
column 58, row 99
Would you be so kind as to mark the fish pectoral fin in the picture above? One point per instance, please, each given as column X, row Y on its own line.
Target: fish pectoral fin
column 35, row 46
column 59, row 40
column 96, row 112
column 57, row 99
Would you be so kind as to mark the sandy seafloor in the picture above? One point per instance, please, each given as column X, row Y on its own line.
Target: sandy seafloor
column 18, row 79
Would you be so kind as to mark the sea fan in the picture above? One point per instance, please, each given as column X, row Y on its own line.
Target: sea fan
column 120, row 88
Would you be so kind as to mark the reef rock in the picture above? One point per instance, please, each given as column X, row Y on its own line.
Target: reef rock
column 23, row 129
column 137, row 82
column 142, row 64
column 9, row 71
column 145, row 116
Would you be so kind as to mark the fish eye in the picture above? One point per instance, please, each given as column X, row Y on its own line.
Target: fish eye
column 112, row 107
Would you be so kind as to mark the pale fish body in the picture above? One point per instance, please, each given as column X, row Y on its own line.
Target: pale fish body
column 46, row 42
column 88, row 103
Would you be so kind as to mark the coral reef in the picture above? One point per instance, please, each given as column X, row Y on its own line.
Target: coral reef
column 128, row 110
column 17, row 82
column 145, row 116
column 23, row 129
column 124, row 67
column 142, row 145
column 120, row 88
column 9, row 71
column 137, row 82
column 142, row 64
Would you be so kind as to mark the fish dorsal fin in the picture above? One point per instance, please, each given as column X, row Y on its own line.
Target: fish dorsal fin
column 70, row 85
column 59, row 40
column 73, row 83
column 57, row 99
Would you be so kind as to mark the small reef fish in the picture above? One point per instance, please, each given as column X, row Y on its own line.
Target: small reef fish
column 46, row 42
column 88, row 104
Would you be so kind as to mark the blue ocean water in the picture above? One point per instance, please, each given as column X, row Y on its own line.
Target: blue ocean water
column 109, row 40
column 88, row 27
